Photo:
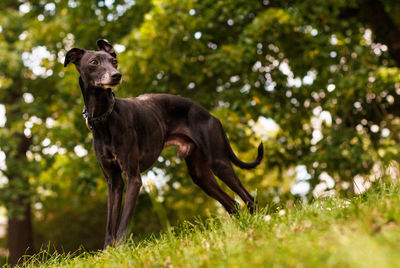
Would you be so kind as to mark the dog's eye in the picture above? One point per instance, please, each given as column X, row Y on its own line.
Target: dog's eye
column 114, row 62
column 94, row 62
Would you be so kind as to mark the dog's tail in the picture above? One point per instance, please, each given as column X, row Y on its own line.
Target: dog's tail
column 240, row 163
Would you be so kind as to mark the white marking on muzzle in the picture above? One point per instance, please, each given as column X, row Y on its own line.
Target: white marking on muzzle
column 106, row 79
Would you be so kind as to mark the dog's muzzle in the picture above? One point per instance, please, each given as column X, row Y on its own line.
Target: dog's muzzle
column 112, row 80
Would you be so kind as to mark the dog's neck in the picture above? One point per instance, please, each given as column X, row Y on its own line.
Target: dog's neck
column 97, row 100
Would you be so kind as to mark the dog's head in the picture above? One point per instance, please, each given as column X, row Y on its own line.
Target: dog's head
column 97, row 68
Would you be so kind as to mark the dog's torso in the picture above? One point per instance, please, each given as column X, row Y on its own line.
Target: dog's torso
column 149, row 123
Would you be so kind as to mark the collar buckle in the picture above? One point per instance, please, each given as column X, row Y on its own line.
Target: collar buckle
column 90, row 122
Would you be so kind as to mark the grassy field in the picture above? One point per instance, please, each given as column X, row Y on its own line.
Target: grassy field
column 360, row 232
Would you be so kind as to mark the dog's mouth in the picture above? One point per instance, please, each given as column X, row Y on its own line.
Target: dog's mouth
column 110, row 84
column 113, row 84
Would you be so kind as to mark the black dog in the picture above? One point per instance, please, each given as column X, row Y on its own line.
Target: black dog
column 129, row 135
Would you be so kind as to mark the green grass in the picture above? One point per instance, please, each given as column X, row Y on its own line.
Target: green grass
column 363, row 231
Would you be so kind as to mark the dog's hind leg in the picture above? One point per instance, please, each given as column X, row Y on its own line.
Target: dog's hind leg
column 216, row 147
column 203, row 177
column 223, row 170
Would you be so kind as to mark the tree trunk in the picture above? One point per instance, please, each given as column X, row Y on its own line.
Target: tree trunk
column 20, row 233
column 20, row 240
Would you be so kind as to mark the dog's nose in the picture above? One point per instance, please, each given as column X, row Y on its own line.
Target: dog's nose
column 116, row 76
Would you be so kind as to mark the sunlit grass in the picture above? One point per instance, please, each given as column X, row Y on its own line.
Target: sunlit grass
column 360, row 232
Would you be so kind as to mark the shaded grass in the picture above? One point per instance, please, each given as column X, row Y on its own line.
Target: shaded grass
column 360, row 232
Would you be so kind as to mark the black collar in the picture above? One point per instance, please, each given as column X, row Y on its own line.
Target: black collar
column 98, row 119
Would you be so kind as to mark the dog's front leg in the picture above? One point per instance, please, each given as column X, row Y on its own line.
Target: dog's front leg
column 115, row 190
column 133, row 185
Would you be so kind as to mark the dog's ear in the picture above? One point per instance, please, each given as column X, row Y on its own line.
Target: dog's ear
column 73, row 55
column 107, row 47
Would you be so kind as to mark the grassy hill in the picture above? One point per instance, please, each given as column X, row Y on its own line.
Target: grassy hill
column 363, row 231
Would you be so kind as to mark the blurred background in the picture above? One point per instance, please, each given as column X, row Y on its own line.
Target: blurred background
column 317, row 81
